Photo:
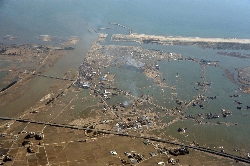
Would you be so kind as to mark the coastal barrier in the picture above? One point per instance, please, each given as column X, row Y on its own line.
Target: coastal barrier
column 130, row 30
column 40, row 75
column 105, row 28
column 149, row 38
column 199, row 148
column 47, row 76
column 8, row 86
column 211, row 43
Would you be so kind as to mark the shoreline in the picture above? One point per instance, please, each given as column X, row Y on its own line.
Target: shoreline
column 136, row 36
column 211, row 43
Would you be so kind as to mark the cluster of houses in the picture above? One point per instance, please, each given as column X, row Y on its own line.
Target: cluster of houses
column 138, row 124
column 26, row 143
column 133, row 157
column 86, row 73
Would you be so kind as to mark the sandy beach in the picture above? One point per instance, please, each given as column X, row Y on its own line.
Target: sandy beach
column 137, row 37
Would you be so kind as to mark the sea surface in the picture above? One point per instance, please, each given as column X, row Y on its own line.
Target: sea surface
column 29, row 19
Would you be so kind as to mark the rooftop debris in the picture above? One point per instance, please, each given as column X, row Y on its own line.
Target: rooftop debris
column 26, row 143
column 39, row 136
column 7, row 158
column 30, row 149
column 30, row 135
column 113, row 152
column 225, row 112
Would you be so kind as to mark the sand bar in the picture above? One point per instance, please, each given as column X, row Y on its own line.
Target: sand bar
column 137, row 37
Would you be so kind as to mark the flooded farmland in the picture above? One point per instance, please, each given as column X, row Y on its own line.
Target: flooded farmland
column 92, row 88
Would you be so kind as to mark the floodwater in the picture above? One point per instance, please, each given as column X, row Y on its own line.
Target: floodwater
column 29, row 19
column 232, row 133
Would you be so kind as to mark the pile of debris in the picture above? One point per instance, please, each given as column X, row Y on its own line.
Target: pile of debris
column 180, row 151
column 182, row 130
column 173, row 161
column 26, row 143
column 133, row 157
column 6, row 158
column 225, row 112
column 212, row 116
column 38, row 136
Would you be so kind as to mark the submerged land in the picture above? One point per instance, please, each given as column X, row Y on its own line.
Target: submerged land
column 125, row 105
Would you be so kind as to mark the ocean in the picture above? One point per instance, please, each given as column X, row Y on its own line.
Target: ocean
column 28, row 19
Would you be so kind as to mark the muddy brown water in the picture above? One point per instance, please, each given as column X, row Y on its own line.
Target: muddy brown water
column 39, row 85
